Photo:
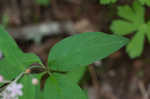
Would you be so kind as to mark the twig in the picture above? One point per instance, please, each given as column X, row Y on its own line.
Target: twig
column 143, row 90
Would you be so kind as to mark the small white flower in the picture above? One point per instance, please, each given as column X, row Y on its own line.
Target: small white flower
column 13, row 91
column 34, row 81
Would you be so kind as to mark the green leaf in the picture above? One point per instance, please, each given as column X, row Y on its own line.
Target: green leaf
column 146, row 2
column 34, row 92
column 14, row 61
column 83, row 49
column 126, row 13
column 132, row 21
column 135, row 47
column 30, row 91
column 134, row 14
column 43, row 2
column 59, row 87
column 121, row 27
column 107, row 1
column 76, row 74
column 139, row 12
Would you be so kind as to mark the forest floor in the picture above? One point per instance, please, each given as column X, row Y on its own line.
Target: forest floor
column 37, row 28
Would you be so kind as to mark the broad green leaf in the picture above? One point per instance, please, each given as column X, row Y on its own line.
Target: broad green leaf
column 107, row 1
column 60, row 87
column 135, row 47
column 43, row 2
column 14, row 61
column 121, row 27
column 30, row 91
column 28, row 88
column 76, row 74
column 83, row 49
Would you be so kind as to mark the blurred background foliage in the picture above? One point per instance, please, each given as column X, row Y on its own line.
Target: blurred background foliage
column 37, row 25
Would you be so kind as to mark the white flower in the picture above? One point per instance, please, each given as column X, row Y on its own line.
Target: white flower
column 12, row 91
column 15, row 89
column 34, row 81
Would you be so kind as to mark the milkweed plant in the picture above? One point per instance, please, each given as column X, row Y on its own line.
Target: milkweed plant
column 24, row 76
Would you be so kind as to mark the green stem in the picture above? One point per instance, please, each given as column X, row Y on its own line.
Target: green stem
column 18, row 77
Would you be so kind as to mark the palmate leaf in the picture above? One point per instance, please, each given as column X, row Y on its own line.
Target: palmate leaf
column 132, row 21
column 14, row 61
column 107, row 1
column 83, row 49
column 59, row 87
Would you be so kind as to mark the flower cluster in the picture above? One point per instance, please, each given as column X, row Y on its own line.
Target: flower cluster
column 12, row 91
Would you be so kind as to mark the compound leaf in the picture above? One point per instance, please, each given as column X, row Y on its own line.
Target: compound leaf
column 132, row 21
